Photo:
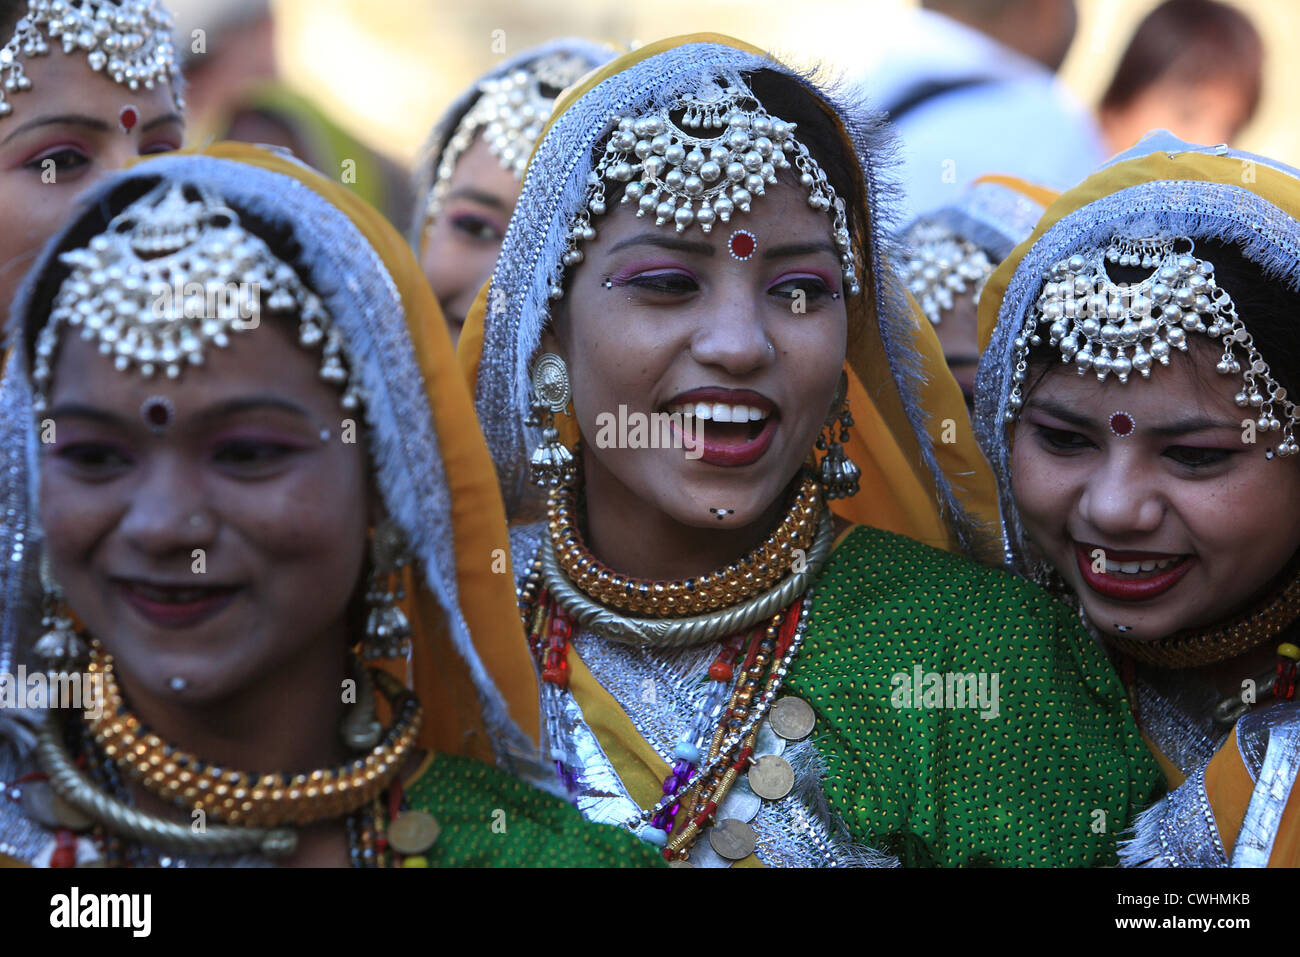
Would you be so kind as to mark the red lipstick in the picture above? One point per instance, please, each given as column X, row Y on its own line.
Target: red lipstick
column 1130, row 587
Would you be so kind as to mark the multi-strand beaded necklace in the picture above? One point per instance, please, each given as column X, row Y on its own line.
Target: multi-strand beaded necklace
column 744, row 679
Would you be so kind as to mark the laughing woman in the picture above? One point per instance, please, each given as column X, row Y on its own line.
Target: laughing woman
column 1159, row 487
column 726, row 671
column 237, row 449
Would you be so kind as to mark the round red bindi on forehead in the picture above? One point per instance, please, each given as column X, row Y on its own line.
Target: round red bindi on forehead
column 1121, row 423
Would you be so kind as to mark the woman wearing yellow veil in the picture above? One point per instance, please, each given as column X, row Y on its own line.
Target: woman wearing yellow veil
column 726, row 670
column 1137, row 401
column 249, row 441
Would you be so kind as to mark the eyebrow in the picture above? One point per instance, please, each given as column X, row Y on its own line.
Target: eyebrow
column 1184, row 427
column 789, row 250
column 88, row 122
column 480, row 197
column 665, row 241
column 232, row 407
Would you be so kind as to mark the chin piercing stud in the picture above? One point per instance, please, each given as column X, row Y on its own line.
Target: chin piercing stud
column 1122, row 629
column 178, row 684
column 158, row 413
column 608, row 283
column 722, row 512
column 324, row 436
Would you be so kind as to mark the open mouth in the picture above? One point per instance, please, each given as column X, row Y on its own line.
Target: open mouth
column 1130, row 575
column 176, row 606
column 733, row 427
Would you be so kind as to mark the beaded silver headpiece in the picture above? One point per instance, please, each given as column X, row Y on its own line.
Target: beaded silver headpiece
column 725, row 152
column 1107, row 327
column 943, row 266
column 173, row 274
column 129, row 42
column 510, row 113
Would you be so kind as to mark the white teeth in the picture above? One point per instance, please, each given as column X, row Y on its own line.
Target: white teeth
column 719, row 412
column 1133, row 568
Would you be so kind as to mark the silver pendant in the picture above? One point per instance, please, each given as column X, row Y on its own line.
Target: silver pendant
column 771, row 777
column 740, row 803
column 734, row 840
column 792, row 718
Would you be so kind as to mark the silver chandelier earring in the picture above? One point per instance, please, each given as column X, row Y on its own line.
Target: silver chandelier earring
column 552, row 464
column 837, row 472
column 388, row 632
column 60, row 647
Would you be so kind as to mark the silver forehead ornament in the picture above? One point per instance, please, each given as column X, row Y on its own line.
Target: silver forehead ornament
column 943, row 265
column 129, row 42
column 726, row 150
column 1108, row 328
column 171, row 276
column 510, row 113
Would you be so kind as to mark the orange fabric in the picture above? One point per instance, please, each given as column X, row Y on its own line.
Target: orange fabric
column 1041, row 195
column 1229, row 788
column 898, row 493
column 485, row 581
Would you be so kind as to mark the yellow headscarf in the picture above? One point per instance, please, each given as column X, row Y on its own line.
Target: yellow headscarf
column 905, row 404
column 454, row 722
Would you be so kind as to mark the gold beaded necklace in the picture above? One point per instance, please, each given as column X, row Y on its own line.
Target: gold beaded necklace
column 235, row 797
column 1191, row 649
column 749, row 576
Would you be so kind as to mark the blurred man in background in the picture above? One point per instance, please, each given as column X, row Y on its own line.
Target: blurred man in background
column 972, row 88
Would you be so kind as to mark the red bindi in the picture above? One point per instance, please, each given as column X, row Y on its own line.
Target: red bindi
column 742, row 244
column 1121, row 423
column 128, row 118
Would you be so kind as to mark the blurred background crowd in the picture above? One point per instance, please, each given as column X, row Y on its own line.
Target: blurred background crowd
column 1041, row 89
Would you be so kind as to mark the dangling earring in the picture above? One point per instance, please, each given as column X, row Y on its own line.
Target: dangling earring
column 59, row 646
column 552, row 463
column 839, row 476
column 388, row 633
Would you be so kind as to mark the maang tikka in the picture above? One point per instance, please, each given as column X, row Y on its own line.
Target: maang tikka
column 1110, row 328
column 838, row 473
column 388, row 632
column 552, row 464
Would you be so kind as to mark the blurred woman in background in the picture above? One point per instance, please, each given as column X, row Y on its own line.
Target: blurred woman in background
column 1194, row 67
column 468, row 176
column 78, row 100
